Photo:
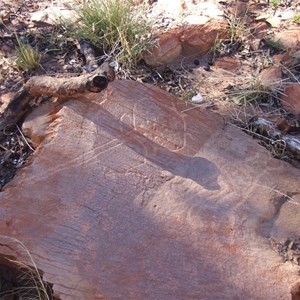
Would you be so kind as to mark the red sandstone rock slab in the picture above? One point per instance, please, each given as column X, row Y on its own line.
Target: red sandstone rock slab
column 168, row 49
column 199, row 39
column 186, row 40
column 133, row 195
column 36, row 124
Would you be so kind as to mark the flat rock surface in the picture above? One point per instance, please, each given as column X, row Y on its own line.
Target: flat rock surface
column 133, row 194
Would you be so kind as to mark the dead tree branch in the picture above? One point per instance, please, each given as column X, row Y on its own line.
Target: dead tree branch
column 62, row 88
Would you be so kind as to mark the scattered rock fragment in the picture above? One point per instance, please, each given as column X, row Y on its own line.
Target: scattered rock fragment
column 197, row 99
column 4, row 16
column 259, row 29
column 271, row 77
column 7, row 49
column 227, row 63
column 296, row 58
column 290, row 99
column 37, row 123
column 274, row 21
column 169, row 48
column 283, row 59
column 52, row 15
column 254, row 44
column 4, row 100
column 289, row 39
column 289, row 249
column 199, row 39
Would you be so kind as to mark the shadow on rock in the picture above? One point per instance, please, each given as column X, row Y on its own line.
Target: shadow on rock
column 198, row 169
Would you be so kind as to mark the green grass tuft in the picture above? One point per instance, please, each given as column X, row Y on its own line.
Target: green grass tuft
column 296, row 18
column 237, row 28
column 275, row 3
column 276, row 45
column 28, row 58
column 117, row 26
column 252, row 93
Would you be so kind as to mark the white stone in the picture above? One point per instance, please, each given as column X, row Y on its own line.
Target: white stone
column 197, row 99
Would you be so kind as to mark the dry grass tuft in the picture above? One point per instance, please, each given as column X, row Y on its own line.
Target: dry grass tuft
column 28, row 58
column 29, row 279
column 119, row 27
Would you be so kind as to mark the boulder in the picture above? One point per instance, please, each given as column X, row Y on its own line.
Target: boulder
column 186, row 28
column 186, row 40
column 168, row 49
column 290, row 99
column 196, row 20
column 134, row 195
column 199, row 39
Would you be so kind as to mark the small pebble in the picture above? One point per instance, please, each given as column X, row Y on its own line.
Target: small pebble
column 197, row 99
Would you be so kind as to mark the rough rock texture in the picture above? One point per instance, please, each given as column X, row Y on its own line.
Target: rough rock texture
column 4, row 101
column 52, row 15
column 134, row 195
column 227, row 63
column 271, row 77
column 36, row 124
column 290, row 39
column 199, row 39
column 168, row 49
column 185, row 41
column 290, row 99
column 283, row 59
column 259, row 29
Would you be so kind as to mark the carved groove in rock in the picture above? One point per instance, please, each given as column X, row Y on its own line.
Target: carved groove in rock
column 132, row 196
